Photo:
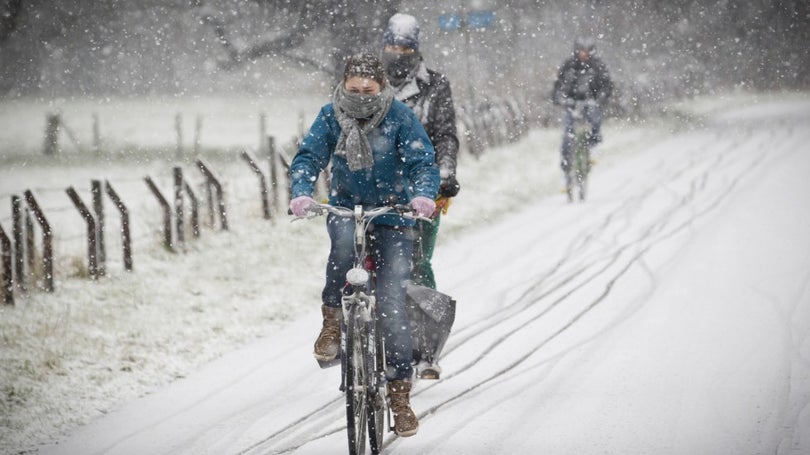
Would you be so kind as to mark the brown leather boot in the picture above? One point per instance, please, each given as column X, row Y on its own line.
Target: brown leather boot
column 328, row 342
column 405, row 421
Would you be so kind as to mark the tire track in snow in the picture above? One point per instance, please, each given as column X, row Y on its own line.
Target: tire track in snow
column 648, row 242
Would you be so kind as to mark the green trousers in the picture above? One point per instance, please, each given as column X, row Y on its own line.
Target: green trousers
column 423, row 245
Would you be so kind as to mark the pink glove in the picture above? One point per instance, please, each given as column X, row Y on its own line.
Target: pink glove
column 423, row 206
column 299, row 205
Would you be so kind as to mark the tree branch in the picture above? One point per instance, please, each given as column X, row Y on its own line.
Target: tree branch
column 279, row 46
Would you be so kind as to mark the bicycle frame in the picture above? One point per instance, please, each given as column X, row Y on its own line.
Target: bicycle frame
column 580, row 166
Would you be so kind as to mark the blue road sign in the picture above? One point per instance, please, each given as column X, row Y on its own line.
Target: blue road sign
column 480, row 19
column 449, row 22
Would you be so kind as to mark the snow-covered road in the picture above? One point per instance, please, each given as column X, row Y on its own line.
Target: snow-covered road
column 669, row 314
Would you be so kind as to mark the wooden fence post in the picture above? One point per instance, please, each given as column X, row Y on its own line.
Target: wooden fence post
column 197, row 134
column 8, row 280
column 98, row 209
column 92, row 263
column 30, row 247
column 17, row 233
column 211, row 179
column 178, row 205
column 271, row 152
column 126, row 240
column 262, row 183
column 195, row 210
column 178, row 127
column 47, row 241
column 96, row 134
column 167, row 213
column 51, row 146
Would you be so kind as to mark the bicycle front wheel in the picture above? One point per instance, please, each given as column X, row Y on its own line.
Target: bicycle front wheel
column 582, row 163
column 356, row 391
column 376, row 389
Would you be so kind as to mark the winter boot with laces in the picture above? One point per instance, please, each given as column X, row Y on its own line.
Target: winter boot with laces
column 328, row 342
column 405, row 421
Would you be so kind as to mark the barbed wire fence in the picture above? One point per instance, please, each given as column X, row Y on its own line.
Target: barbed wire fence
column 86, row 228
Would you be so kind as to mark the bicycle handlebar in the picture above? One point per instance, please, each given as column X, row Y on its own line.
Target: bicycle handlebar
column 404, row 211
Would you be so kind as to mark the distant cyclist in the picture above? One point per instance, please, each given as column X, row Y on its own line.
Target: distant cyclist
column 582, row 77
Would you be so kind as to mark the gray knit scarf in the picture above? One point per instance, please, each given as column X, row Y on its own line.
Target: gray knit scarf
column 357, row 115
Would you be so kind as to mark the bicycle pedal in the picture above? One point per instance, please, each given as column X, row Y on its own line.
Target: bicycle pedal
column 429, row 375
column 428, row 371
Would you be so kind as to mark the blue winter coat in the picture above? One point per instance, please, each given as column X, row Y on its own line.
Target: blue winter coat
column 404, row 163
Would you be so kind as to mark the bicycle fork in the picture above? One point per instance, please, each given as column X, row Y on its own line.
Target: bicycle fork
column 357, row 306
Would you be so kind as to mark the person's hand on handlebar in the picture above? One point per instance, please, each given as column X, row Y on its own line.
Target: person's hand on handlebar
column 300, row 205
column 423, row 206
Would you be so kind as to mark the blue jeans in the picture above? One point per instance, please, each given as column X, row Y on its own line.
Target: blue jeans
column 393, row 250
column 593, row 114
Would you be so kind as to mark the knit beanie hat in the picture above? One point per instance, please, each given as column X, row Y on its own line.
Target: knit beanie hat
column 365, row 65
column 402, row 30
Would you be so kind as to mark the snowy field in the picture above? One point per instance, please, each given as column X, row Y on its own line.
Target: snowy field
column 668, row 314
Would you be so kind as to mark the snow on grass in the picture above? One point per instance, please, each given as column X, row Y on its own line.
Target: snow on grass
column 149, row 123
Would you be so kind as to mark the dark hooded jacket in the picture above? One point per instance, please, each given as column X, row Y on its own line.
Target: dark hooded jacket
column 582, row 80
column 428, row 95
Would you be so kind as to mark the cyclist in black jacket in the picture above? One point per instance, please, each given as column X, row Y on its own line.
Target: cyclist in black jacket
column 428, row 94
column 583, row 77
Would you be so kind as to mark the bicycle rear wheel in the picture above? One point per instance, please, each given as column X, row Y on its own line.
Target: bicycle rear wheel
column 356, row 390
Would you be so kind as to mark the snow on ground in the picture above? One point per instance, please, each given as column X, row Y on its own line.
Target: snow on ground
column 667, row 314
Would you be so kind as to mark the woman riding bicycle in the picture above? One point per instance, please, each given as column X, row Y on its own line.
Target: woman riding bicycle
column 379, row 152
